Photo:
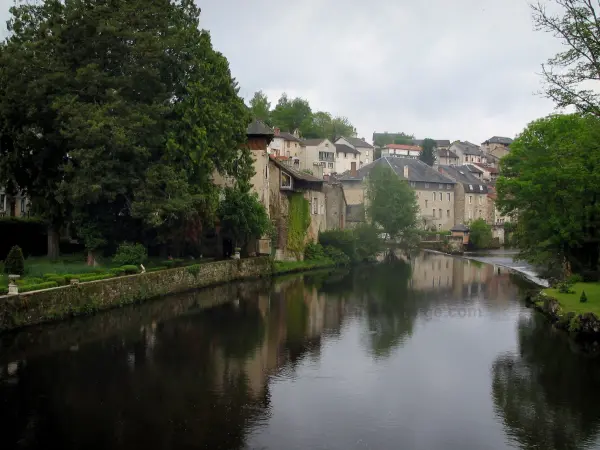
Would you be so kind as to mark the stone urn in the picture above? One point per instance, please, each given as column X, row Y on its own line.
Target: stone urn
column 236, row 255
column 13, row 289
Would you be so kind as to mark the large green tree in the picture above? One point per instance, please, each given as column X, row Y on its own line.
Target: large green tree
column 571, row 76
column 391, row 203
column 551, row 182
column 292, row 114
column 260, row 107
column 428, row 149
column 140, row 102
column 383, row 139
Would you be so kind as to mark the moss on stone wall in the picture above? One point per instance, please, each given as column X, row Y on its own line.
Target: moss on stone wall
column 298, row 223
column 52, row 304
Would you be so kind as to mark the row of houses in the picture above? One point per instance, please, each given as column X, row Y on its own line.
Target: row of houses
column 448, row 194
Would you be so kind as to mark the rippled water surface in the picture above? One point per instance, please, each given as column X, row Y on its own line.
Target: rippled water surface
column 439, row 354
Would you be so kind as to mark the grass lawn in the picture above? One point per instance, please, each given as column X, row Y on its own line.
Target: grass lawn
column 571, row 303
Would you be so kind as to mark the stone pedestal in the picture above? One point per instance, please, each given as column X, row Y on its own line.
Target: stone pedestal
column 13, row 289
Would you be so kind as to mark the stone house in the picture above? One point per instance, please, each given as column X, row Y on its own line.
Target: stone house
column 497, row 146
column 489, row 173
column 434, row 191
column 467, row 152
column 365, row 149
column 440, row 144
column 347, row 158
column 318, row 156
column 471, row 194
column 285, row 182
column 335, row 206
column 494, row 217
column 446, row 157
column 13, row 205
column 285, row 144
column 401, row 151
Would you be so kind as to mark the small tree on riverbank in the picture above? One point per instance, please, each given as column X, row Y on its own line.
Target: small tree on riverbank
column 392, row 204
column 480, row 235
column 15, row 263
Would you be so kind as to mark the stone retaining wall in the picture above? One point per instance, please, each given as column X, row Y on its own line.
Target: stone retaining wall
column 58, row 303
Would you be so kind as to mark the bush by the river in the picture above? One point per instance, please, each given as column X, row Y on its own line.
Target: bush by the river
column 480, row 234
column 128, row 253
column 360, row 244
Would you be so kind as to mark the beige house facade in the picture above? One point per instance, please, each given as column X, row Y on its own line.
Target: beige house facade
column 434, row 191
column 364, row 149
column 471, row 194
column 347, row 158
column 467, row 152
column 13, row 205
column 497, row 146
column 318, row 155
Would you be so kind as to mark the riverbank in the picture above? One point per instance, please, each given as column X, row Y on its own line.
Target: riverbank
column 58, row 303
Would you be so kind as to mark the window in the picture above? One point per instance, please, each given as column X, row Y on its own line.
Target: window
column 345, row 155
column 448, row 196
column 22, row 206
column 367, row 161
column 355, row 156
column 440, row 211
column 287, row 144
column 434, row 213
column 434, row 196
column 323, row 164
column 2, row 199
column 412, row 184
column 286, row 181
column 367, row 152
column 448, row 213
column 315, row 205
column 426, row 203
column 295, row 144
column 470, row 199
column 470, row 187
column 330, row 165
column 441, row 186
column 481, row 188
column 441, row 196
column 426, row 185
column 448, row 186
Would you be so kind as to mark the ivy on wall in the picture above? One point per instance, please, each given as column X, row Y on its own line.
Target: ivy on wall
column 298, row 223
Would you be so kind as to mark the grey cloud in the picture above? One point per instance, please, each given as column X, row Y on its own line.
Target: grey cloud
column 464, row 69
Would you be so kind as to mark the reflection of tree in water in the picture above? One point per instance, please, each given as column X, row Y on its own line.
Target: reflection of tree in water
column 391, row 309
column 191, row 388
column 547, row 395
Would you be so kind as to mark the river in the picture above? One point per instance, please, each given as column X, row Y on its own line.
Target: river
column 439, row 354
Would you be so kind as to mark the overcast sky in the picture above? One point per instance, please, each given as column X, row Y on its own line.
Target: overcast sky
column 465, row 69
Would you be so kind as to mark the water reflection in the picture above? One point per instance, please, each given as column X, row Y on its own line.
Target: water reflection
column 306, row 362
column 547, row 393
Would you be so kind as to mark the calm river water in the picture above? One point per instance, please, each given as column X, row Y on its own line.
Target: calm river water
column 439, row 354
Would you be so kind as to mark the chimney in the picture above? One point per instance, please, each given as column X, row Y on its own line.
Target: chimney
column 277, row 131
column 406, row 172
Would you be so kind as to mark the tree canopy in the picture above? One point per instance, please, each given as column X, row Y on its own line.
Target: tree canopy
column 480, row 235
column 571, row 75
column 428, row 149
column 296, row 114
column 383, row 139
column 392, row 204
column 117, row 114
column 551, row 182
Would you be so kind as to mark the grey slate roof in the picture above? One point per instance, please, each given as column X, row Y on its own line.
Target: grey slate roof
column 499, row 140
column 463, row 175
column 473, row 168
column 343, row 148
column 438, row 142
column 468, row 148
column 357, row 142
column 312, row 142
column 447, row 154
column 418, row 171
column 460, row 227
column 288, row 137
column 258, row 128
column 296, row 174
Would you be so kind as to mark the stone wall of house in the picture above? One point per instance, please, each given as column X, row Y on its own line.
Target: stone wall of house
column 335, row 206
column 459, row 203
column 354, row 191
column 318, row 219
column 53, row 304
column 497, row 150
column 426, row 202
column 475, row 206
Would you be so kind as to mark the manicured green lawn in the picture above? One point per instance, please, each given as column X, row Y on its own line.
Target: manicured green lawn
column 571, row 303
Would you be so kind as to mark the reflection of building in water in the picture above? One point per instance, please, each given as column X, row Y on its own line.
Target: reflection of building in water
column 464, row 277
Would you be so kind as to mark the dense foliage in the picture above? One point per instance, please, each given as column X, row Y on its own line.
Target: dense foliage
column 115, row 115
column 383, row 139
column 298, row 223
column 551, row 182
column 15, row 262
column 428, row 150
column 360, row 244
column 392, row 204
column 130, row 254
column 480, row 234
column 296, row 114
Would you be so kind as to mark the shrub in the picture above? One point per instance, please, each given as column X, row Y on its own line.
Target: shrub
column 313, row 251
column 38, row 287
column 15, row 263
column 130, row 254
column 367, row 243
column 583, row 298
column 341, row 239
column 337, row 256
column 156, row 269
column 480, row 235
column 96, row 277
column 169, row 263
column 575, row 278
column 129, row 269
column 565, row 288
